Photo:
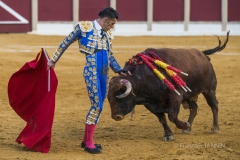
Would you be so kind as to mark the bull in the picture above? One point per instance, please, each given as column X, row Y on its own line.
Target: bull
column 144, row 88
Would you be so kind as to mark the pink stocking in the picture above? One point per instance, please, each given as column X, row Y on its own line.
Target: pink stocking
column 88, row 135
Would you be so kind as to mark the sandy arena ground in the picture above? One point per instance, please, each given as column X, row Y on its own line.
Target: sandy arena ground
column 137, row 138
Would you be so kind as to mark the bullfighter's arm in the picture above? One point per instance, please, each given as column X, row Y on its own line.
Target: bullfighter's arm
column 114, row 65
column 72, row 37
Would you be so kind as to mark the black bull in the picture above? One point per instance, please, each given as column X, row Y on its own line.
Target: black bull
column 143, row 87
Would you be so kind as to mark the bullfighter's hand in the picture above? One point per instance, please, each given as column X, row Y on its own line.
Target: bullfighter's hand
column 50, row 64
column 124, row 72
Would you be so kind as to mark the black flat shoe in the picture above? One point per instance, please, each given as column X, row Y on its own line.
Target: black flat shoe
column 93, row 150
column 96, row 145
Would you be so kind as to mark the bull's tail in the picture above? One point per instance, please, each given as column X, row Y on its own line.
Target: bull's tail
column 218, row 48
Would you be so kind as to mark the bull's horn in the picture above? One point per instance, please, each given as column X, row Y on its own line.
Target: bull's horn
column 128, row 85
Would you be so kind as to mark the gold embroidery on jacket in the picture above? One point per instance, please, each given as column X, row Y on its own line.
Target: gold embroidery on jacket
column 86, row 26
column 59, row 50
column 94, row 40
column 110, row 35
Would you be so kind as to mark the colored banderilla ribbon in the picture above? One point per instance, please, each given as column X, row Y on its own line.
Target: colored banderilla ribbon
column 170, row 70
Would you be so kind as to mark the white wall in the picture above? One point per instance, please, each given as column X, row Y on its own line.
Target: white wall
column 158, row 29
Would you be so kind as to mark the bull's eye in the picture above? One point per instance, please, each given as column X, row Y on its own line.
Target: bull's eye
column 121, row 91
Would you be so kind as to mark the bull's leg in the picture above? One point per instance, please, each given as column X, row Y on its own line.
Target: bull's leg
column 213, row 103
column 155, row 109
column 193, row 112
column 174, row 107
column 168, row 135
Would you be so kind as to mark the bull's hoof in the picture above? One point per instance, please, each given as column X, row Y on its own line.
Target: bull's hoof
column 185, row 126
column 188, row 125
column 214, row 130
column 168, row 138
column 186, row 131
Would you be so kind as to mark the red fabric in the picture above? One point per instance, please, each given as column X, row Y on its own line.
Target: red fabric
column 29, row 97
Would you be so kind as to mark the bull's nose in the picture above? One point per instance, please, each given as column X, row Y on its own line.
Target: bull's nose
column 118, row 117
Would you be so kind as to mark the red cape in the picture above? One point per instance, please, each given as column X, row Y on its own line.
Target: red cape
column 31, row 93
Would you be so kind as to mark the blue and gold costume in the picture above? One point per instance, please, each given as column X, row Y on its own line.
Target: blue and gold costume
column 99, row 58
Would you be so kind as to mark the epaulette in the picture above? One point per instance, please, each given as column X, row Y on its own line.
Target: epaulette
column 86, row 26
column 109, row 32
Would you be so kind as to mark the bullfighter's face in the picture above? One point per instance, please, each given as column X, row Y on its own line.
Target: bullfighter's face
column 108, row 23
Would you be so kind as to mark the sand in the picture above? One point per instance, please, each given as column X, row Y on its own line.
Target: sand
column 136, row 138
